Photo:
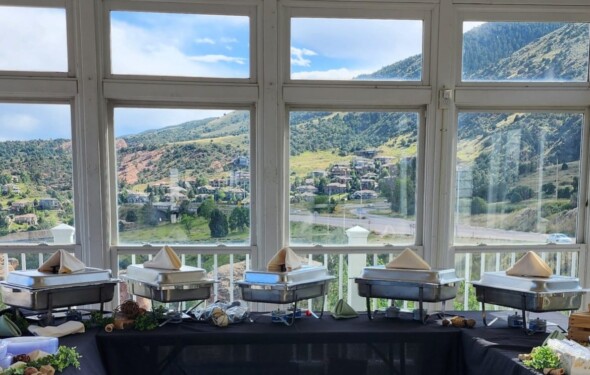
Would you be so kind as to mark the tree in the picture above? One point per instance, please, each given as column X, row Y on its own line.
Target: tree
column 188, row 222
column 548, row 188
column 564, row 167
column 206, row 208
column 218, row 224
column 404, row 204
column 478, row 206
column 131, row 216
column 239, row 219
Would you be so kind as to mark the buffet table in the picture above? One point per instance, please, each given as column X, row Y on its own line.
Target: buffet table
column 311, row 346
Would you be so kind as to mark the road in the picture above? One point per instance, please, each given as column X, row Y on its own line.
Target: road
column 356, row 215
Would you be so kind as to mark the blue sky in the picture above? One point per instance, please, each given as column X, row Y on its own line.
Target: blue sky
column 185, row 45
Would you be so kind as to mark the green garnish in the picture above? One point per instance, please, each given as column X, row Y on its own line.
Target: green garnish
column 64, row 357
column 543, row 357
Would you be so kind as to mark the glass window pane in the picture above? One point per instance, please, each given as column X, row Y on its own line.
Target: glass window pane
column 33, row 39
column 517, row 178
column 351, row 173
column 191, row 45
column 36, row 201
column 525, row 51
column 356, row 49
column 183, row 176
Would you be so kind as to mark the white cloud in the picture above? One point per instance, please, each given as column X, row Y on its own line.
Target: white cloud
column 468, row 25
column 297, row 56
column 20, row 121
column 358, row 43
column 162, row 50
column 204, row 41
column 228, row 40
column 331, row 74
column 218, row 58
column 33, row 39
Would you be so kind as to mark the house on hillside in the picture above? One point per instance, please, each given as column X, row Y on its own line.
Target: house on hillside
column 138, row 198
column 30, row 219
column 19, row 206
column 364, row 194
column 49, row 204
column 335, row 188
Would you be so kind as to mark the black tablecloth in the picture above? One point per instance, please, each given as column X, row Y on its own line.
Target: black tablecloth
column 310, row 346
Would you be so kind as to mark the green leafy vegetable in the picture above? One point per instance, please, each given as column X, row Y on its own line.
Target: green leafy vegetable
column 64, row 357
column 149, row 320
column 543, row 357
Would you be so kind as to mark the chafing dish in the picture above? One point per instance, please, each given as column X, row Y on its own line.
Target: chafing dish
column 436, row 285
column 186, row 284
column 285, row 287
column 43, row 291
column 535, row 294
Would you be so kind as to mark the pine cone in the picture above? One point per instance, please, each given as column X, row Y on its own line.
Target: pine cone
column 130, row 308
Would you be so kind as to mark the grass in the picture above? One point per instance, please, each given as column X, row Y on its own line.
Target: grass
column 177, row 233
column 307, row 162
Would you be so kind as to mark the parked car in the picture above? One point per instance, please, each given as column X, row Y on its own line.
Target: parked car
column 559, row 238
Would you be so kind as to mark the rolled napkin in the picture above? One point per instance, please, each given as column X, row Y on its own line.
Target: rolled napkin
column 8, row 328
column 285, row 260
column 166, row 258
column 343, row 311
column 530, row 265
column 62, row 262
column 408, row 259
column 65, row 329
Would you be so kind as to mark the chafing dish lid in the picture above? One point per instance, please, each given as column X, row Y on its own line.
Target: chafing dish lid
column 34, row 279
column 553, row 284
column 301, row 275
column 158, row 276
column 433, row 276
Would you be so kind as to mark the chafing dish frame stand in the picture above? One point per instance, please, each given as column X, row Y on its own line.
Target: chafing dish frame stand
column 294, row 300
column 522, row 308
column 48, row 320
column 420, row 286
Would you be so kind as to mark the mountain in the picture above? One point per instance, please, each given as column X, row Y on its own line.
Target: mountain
column 496, row 51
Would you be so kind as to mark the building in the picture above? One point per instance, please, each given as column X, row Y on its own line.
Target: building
column 49, row 204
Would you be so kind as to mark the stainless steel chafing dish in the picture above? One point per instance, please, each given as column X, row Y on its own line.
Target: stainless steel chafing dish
column 44, row 291
column 285, row 287
column 436, row 285
column 186, row 284
column 535, row 294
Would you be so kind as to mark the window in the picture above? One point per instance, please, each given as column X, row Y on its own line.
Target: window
column 525, row 51
column 169, row 44
column 356, row 49
column 350, row 169
column 517, row 177
column 33, row 39
column 183, row 176
column 36, row 197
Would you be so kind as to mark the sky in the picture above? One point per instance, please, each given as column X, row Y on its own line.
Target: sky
column 186, row 45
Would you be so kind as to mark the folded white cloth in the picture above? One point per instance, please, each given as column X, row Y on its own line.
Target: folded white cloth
column 530, row 265
column 65, row 329
column 62, row 262
column 284, row 260
column 408, row 259
column 166, row 258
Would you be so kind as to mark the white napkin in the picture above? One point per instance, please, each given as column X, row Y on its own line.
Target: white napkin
column 65, row 329
column 63, row 262
column 166, row 258
column 408, row 259
column 530, row 265
column 285, row 257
